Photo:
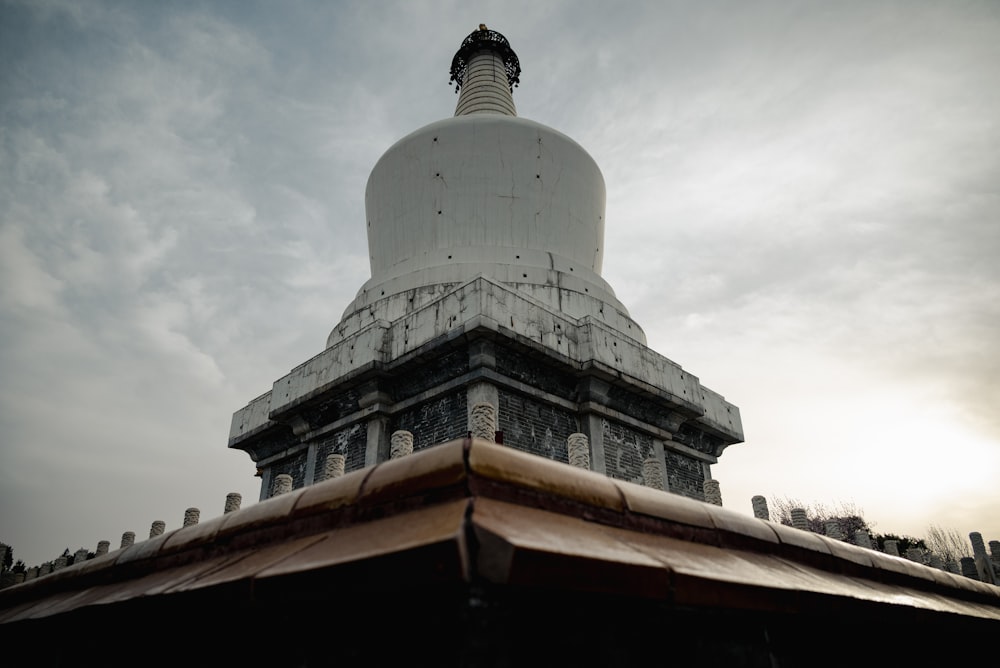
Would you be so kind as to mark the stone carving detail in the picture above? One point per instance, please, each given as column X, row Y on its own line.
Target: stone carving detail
column 652, row 474
column 102, row 547
column 157, row 528
column 713, row 492
column 282, row 484
column 799, row 519
column 191, row 516
column 483, row 422
column 833, row 530
column 760, row 510
column 862, row 539
column 400, row 444
column 578, row 446
column 233, row 502
column 984, row 565
column 128, row 539
column 334, row 465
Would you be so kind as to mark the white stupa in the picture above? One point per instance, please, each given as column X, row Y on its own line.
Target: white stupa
column 486, row 239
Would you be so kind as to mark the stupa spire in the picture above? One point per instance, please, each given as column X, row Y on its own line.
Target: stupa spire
column 485, row 69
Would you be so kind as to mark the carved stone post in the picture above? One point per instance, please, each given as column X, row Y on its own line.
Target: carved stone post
column 334, row 466
column 862, row 539
column 833, row 530
column 984, row 565
column 799, row 519
column 400, row 444
column 233, row 502
column 157, row 528
column 713, row 492
column 483, row 422
column 128, row 539
column 191, row 517
column 652, row 476
column 578, row 450
column 760, row 510
column 282, row 484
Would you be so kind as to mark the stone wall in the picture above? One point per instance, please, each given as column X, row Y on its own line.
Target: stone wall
column 535, row 427
column 625, row 449
column 330, row 409
column 294, row 466
column 350, row 442
column 441, row 419
column 685, row 475
column 531, row 372
column 428, row 376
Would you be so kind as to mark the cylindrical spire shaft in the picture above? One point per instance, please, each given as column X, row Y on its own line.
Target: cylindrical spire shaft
column 485, row 89
column 485, row 69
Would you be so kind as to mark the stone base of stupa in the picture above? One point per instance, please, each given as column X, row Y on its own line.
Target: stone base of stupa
column 547, row 376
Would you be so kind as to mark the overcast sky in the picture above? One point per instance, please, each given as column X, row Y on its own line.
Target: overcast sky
column 803, row 211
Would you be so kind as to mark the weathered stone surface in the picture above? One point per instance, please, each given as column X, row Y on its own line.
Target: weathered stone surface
column 713, row 492
column 862, row 539
column 685, row 475
column 401, row 444
column 652, row 474
column 233, row 502
column 578, row 450
column 483, row 421
column 191, row 517
column 535, row 426
column 760, row 510
column 335, row 466
column 282, row 484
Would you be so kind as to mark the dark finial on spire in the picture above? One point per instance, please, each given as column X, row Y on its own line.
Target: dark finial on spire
column 485, row 39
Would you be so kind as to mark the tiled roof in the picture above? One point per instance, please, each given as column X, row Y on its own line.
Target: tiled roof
column 471, row 511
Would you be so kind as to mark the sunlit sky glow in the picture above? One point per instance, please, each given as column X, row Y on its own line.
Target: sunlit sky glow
column 803, row 206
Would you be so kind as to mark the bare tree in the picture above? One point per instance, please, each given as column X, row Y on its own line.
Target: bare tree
column 947, row 544
column 849, row 515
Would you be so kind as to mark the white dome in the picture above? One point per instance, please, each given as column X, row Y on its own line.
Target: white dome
column 485, row 194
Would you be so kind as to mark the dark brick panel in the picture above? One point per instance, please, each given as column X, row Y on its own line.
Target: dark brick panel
column 685, row 475
column 535, row 427
column 531, row 372
column 425, row 375
column 350, row 442
column 294, row 466
column 625, row 450
column 271, row 442
column 330, row 409
column 436, row 421
column 697, row 439
column 640, row 408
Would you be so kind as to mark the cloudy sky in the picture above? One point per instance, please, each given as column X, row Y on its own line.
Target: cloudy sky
column 803, row 211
